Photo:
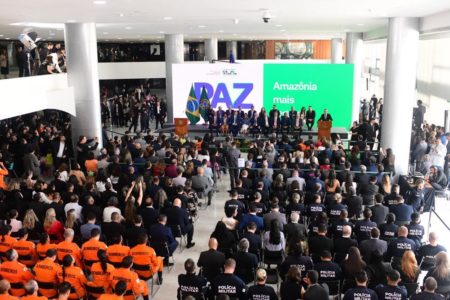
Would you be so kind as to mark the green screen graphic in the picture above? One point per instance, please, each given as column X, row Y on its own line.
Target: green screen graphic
column 301, row 85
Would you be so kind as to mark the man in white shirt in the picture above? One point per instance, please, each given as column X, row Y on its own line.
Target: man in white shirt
column 438, row 153
column 73, row 204
column 295, row 177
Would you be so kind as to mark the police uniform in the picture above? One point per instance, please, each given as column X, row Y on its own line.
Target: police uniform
column 388, row 292
column 398, row 246
column 388, row 231
column 314, row 209
column 363, row 229
column 334, row 211
column 429, row 250
column 304, row 263
column 415, row 233
column 230, row 285
column 360, row 293
column 328, row 271
column 427, row 296
column 416, row 199
column 261, row 291
column 234, row 203
column 191, row 284
column 336, row 228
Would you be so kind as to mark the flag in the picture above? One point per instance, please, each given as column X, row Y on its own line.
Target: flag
column 192, row 108
column 204, row 105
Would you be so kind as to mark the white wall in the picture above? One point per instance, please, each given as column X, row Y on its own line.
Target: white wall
column 132, row 70
column 25, row 95
column 433, row 74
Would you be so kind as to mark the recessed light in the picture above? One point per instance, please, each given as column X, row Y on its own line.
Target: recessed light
column 7, row 38
column 128, row 28
column 1, row 35
column 161, row 32
column 279, row 25
column 201, row 26
column 71, row 21
column 282, row 30
column 221, row 31
column 167, row 18
column 99, row 2
column 121, row 15
column 360, row 24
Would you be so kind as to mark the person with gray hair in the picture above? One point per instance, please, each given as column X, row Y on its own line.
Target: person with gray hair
column 430, row 285
column 31, row 287
column 294, row 231
column 246, row 262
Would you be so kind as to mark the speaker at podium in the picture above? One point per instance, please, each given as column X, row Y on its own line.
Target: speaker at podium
column 324, row 129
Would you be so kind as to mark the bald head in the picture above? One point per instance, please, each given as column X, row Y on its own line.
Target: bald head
column 433, row 238
column 346, row 231
column 4, row 287
column 177, row 202
column 200, row 171
column 403, row 231
column 212, row 244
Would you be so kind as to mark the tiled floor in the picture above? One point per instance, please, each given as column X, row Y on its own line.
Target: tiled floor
column 203, row 228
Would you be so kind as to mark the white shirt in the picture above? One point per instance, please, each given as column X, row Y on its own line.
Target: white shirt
column 75, row 206
column 107, row 212
column 60, row 150
column 437, row 155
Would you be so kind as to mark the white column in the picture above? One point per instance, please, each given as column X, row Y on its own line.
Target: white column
column 336, row 51
column 232, row 47
column 82, row 73
column 10, row 51
column 354, row 56
column 211, row 49
column 399, row 88
column 174, row 49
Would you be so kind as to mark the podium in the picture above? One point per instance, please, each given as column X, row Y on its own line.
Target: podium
column 181, row 126
column 324, row 129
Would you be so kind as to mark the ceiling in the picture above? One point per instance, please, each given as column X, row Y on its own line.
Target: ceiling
column 145, row 20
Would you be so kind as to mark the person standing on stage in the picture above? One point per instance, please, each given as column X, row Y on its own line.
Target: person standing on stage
column 310, row 117
column 325, row 116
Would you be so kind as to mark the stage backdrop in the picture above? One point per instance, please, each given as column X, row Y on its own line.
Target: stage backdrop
column 265, row 84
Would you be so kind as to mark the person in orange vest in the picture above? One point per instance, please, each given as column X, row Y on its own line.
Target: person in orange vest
column 101, row 274
column 4, row 288
column 119, row 291
column 64, row 291
column 46, row 273
column 73, row 275
column 68, row 247
column 16, row 273
column 90, row 248
column 25, row 249
column 135, row 286
column 6, row 240
column 43, row 245
column 31, row 287
column 116, row 251
column 144, row 257
column 3, row 173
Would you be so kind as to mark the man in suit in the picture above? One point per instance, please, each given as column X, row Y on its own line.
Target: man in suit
column 274, row 214
column 233, row 155
column 149, row 213
column 401, row 211
column 310, row 117
column 177, row 216
column 319, row 243
column 274, row 120
column 160, row 112
column 215, row 122
column 285, row 123
column 325, row 116
column 203, row 184
column 368, row 191
column 235, row 123
column 246, row 262
column 274, row 111
column 60, row 150
column 363, row 177
column 342, row 244
column 379, row 211
column 368, row 247
column 160, row 236
column 211, row 261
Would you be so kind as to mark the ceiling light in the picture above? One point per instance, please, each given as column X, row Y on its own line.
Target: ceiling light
column 221, row 31
column 201, row 26
column 7, row 38
column 282, row 30
column 71, row 21
column 167, row 18
column 1, row 35
column 121, row 15
column 99, row 2
column 360, row 24
column 279, row 25
column 161, row 32
column 128, row 28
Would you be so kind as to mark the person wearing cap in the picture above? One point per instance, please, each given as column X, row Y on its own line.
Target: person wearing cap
column 314, row 291
column 190, row 283
column 429, row 288
column 260, row 290
column 360, row 291
column 229, row 284
column 328, row 270
column 391, row 291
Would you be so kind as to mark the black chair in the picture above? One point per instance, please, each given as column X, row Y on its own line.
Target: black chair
column 273, row 278
column 273, row 257
column 427, row 263
column 334, row 289
column 176, row 231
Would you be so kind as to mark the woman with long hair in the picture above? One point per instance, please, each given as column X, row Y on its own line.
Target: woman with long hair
column 388, row 161
column 385, row 186
column 274, row 238
column 131, row 203
column 73, row 275
column 72, row 223
column 53, row 227
column 348, row 183
column 441, row 272
column 102, row 273
column 229, row 219
column 352, row 265
column 225, row 239
column 161, row 199
column 32, row 224
column 43, row 245
column 409, row 270
column 292, row 286
column 331, row 183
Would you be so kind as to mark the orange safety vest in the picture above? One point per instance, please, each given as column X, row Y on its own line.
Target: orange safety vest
column 102, row 278
column 74, row 276
column 116, row 253
column 109, row 297
column 65, row 248
column 41, row 249
column 26, row 251
column 6, row 243
column 134, row 284
column 33, row 297
column 143, row 256
column 46, row 272
column 17, row 274
column 89, row 251
column 8, row 297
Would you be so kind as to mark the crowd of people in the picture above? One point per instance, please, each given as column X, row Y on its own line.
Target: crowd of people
column 306, row 212
column 130, row 53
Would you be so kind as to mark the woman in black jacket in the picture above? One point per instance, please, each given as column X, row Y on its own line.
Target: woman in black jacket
column 225, row 239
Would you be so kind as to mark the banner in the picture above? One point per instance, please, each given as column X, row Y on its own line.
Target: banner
column 262, row 84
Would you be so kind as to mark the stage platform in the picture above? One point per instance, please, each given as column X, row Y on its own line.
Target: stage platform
column 200, row 130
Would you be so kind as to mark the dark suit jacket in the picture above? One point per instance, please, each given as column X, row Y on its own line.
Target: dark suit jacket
column 379, row 213
column 178, row 216
column 149, row 216
column 325, row 118
column 361, row 178
column 367, row 247
column 246, row 264
column 160, row 234
column 310, row 115
column 211, row 262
